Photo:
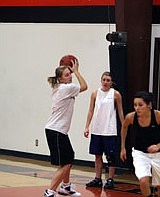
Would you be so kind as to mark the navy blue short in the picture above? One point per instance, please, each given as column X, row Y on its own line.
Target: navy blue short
column 61, row 150
column 103, row 144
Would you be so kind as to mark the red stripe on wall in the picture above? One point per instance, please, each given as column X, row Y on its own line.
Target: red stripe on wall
column 156, row 2
column 56, row 2
column 61, row 2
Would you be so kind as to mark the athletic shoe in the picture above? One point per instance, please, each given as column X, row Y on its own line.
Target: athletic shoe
column 97, row 182
column 109, row 184
column 68, row 190
column 49, row 193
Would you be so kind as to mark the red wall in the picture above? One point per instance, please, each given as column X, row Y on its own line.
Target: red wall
column 55, row 2
column 61, row 2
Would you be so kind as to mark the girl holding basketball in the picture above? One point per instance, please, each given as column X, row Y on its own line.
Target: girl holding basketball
column 57, row 127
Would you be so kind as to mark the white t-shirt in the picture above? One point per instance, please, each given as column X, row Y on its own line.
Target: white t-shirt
column 63, row 98
column 104, row 116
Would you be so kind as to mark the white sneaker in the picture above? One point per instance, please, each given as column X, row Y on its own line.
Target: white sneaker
column 67, row 190
column 49, row 193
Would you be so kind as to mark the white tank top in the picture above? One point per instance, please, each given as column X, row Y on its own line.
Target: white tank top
column 104, row 116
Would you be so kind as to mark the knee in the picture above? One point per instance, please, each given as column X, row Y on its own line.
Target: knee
column 145, row 186
column 67, row 166
column 144, row 182
column 98, row 159
column 111, row 160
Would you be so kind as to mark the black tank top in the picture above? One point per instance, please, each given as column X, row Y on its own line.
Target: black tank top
column 146, row 136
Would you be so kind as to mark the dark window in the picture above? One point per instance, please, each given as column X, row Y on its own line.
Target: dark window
column 156, row 73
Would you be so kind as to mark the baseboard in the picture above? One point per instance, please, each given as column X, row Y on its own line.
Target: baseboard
column 40, row 157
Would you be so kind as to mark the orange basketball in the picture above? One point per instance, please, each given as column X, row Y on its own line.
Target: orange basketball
column 66, row 60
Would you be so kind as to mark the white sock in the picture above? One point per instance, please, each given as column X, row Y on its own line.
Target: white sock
column 51, row 191
column 66, row 184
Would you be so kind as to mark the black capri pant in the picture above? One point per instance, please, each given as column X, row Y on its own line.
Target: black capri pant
column 60, row 147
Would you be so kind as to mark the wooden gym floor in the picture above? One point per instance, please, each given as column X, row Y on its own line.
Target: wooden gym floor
column 29, row 178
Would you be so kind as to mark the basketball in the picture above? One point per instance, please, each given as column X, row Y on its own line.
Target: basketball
column 66, row 60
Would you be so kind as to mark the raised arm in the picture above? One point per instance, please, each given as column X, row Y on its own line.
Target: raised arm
column 81, row 80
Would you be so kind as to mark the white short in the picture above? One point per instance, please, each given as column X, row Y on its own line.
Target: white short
column 147, row 164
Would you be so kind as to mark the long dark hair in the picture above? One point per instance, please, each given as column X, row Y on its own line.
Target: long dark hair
column 146, row 96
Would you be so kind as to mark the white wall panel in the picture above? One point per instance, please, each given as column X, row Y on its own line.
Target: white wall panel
column 155, row 34
column 29, row 54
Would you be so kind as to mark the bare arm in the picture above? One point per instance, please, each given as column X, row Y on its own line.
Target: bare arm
column 81, row 80
column 155, row 147
column 90, row 112
column 157, row 114
column 118, row 99
column 127, row 121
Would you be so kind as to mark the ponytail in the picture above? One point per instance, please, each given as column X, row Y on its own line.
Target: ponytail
column 58, row 73
column 52, row 81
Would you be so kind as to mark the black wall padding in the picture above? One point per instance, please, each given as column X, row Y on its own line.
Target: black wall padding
column 118, row 69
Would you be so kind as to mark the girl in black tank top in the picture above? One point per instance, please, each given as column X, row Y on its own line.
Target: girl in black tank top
column 146, row 136
column 145, row 122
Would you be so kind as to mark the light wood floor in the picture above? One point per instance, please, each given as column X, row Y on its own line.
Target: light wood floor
column 29, row 178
